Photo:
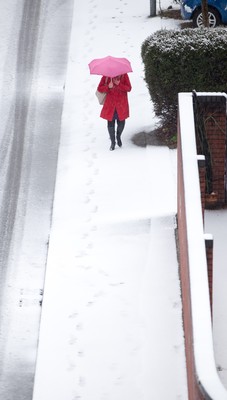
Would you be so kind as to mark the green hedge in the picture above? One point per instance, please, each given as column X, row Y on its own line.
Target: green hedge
column 182, row 61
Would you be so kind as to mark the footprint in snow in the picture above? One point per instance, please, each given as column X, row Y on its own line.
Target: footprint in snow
column 72, row 340
column 73, row 315
column 71, row 367
column 79, row 327
column 82, row 381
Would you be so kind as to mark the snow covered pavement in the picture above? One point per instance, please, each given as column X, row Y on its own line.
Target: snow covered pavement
column 111, row 326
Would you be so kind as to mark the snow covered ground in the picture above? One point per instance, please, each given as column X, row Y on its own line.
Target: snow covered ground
column 111, row 324
column 34, row 38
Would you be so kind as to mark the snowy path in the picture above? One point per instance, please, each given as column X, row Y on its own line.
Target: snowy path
column 111, row 325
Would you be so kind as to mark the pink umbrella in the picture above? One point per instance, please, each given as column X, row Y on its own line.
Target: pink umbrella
column 110, row 66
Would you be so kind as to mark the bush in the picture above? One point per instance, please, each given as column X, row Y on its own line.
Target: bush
column 182, row 61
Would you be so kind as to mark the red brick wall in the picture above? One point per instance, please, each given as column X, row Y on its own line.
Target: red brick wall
column 215, row 124
column 193, row 388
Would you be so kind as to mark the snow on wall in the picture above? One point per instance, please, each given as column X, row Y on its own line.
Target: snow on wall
column 207, row 376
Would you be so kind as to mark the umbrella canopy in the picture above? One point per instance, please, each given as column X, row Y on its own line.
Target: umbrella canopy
column 110, row 66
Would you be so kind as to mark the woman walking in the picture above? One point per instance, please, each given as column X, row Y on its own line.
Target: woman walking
column 116, row 107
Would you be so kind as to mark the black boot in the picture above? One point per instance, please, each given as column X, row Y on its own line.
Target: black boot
column 120, row 128
column 112, row 137
column 119, row 142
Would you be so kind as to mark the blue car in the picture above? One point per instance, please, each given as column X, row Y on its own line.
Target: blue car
column 217, row 12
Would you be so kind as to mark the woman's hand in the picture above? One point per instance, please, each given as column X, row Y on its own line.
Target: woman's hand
column 116, row 81
column 110, row 84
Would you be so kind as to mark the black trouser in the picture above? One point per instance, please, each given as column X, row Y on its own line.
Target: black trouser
column 111, row 128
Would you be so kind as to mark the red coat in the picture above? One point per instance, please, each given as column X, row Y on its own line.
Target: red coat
column 116, row 98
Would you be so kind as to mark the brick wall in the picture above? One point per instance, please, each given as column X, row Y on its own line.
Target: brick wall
column 193, row 388
column 215, row 124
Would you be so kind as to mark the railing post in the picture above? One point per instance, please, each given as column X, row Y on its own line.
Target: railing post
column 152, row 8
column 209, row 255
column 202, row 179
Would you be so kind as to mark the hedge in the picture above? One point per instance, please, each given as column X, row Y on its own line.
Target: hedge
column 181, row 61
